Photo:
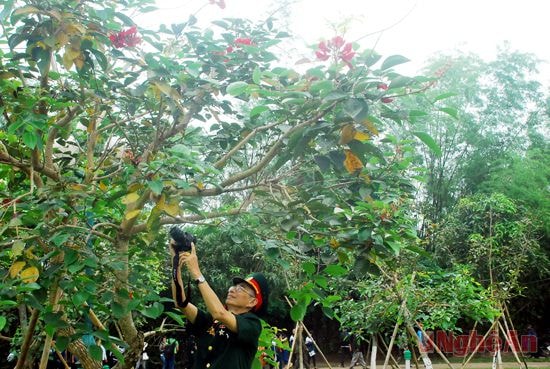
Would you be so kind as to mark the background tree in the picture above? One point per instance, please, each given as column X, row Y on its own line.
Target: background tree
column 488, row 111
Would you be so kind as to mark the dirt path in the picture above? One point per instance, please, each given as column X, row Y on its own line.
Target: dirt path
column 486, row 365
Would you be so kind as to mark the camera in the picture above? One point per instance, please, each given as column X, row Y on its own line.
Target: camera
column 182, row 239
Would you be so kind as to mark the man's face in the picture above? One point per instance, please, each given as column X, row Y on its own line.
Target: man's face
column 241, row 295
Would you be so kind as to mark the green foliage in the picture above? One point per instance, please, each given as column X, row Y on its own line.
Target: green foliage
column 497, row 237
column 486, row 113
column 440, row 298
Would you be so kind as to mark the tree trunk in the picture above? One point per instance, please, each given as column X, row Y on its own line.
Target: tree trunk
column 374, row 349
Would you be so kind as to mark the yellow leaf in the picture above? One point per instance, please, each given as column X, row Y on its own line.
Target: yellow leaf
column 361, row 136
column 334, row 243
column 365, row 177
column 75, row 29
column 6, row 75
column 371, row 127
column 16, row 268
column 130, row 198
column 61, row 39
column 103, row 187
column 132, row 214
column 352, row 162
column 28, row 253
column 17, row 248
column 76, row 187
column 134, row 187
column 172, row 209
column 200, row 186
column 79, row 61
column 42, row 45
column 30, row 274
column 167, row 90
column 348, row 131
column 26, row 10
column 67, row 60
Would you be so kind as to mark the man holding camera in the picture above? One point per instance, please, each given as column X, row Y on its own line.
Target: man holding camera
column 227, row 335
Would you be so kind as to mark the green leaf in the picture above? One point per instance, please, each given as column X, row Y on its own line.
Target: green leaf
column 3, row 321
column 125, row 19
column 451, row 111
column 394, row 246
column 444, row 96
column 334, row 95
column 321, row 281
column 153, row 311
column 429, row 141
column 323, row 162
column 321, row 87
column 357, row 109
column 392, row 61
column 61, row 343
column 30, row 139
column 95, row 352
column 256, row 76
column 118, row 309
column 400, row 81
column 79, row 298
column 100, row 57
column 237, row 88
column 308, row 267
column 156, row 186
column 298, row 311
column 257, row 110
column 178, row 318
column 335, row 270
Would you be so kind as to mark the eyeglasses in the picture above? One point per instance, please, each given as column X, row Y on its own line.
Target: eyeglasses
column 241, row 288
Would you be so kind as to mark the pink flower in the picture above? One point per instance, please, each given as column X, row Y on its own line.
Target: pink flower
column 337, row 48
column 125, row 38
column 337, row 42
column 323, row 47
column 347, row 53
column 382, row 86
column 220, row 3
column 387, row 100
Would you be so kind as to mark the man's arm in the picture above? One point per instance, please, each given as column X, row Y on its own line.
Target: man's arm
column 213, row 303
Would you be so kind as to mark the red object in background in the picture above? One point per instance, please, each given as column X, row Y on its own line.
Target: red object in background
column 125, row 38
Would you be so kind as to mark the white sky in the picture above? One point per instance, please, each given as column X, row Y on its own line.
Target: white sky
column 414, row 28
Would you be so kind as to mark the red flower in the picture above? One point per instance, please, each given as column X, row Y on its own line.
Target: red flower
column 126, row 38
column 387, row 100
column 337, row 48
column 220, row 3
column 382, row 86
column 243, row 41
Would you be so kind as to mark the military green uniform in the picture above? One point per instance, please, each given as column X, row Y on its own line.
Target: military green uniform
column 219, row 348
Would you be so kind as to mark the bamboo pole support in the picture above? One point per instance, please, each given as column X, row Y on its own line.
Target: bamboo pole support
column 478, row 345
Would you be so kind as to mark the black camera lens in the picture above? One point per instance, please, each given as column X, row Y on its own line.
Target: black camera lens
column 182, row 239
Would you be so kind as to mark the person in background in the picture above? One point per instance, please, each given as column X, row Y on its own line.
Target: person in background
column 142, row 361
column 161, row 350
column 169, row 349
column 281, row 353
column 345, row 347
column 311, row 352
column 357, row 357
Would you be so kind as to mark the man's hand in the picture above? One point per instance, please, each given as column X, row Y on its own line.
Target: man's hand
column 190, row 260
